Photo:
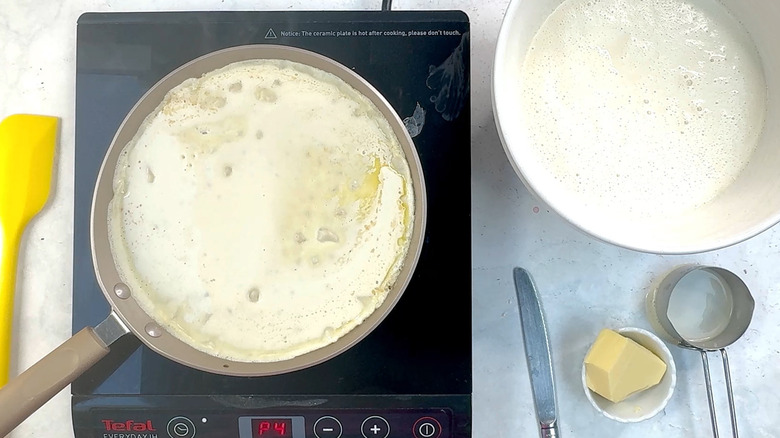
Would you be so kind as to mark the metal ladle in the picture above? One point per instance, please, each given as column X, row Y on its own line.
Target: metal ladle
column 703, row 308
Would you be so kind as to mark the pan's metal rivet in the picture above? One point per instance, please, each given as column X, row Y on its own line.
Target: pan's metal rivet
column 153, row 330
column 122, row 290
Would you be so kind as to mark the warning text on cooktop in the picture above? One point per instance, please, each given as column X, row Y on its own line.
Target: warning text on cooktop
column 271, row 34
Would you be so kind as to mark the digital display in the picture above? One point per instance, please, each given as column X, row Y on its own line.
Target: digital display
column 271, row 428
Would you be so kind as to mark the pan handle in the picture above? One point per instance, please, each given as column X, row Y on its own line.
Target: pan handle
column 23, row 395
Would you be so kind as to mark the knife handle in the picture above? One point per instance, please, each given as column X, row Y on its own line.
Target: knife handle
column 548, row 431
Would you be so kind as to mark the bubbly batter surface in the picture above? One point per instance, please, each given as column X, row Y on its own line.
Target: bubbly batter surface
column 262, row 211
column 645, row 107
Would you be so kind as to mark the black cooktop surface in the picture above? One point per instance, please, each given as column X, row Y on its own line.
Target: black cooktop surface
column 420, row 62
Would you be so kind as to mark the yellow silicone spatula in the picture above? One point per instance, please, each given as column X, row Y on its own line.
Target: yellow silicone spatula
column 26, row 157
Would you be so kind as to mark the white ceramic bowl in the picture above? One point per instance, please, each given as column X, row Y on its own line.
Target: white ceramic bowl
column 747, row 207
column 647, row 403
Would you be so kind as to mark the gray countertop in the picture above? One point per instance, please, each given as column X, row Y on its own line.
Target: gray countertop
column 585, row 284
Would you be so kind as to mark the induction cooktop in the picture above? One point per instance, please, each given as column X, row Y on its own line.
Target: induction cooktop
column 411, row 377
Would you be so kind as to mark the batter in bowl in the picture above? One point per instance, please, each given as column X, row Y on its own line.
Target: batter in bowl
column 643, row 108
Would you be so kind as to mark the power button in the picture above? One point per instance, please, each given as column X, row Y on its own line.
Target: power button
column 426, row 427
column 180, row 427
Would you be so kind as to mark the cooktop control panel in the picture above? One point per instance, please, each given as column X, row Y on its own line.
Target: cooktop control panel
column 297, row 423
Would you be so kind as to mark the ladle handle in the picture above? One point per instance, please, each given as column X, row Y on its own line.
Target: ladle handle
column 729, row 391
column 732, row 408
column 708, row 383
column 23, row 395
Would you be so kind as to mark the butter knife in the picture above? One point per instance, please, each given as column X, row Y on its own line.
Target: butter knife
column 537, row 352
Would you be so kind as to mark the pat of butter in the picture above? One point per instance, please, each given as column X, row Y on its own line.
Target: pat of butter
column 617, row 367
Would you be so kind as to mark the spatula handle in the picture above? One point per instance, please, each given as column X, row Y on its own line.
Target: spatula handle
column 11, row 240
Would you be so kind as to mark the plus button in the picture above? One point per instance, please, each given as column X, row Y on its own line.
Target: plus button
column 375, row 427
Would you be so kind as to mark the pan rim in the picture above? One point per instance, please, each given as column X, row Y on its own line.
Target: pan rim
column 141, row 324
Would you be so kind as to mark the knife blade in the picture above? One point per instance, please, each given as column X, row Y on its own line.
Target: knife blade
column 537, row 353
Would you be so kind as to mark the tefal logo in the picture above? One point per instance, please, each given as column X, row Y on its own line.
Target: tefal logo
column 135, row 426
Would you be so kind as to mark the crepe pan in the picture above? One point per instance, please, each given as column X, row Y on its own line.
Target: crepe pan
column 27, row 392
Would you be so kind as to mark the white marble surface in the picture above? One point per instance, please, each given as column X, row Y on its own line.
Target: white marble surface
column 585, row 284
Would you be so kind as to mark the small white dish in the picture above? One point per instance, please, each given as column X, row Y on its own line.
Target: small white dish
column 645, row 404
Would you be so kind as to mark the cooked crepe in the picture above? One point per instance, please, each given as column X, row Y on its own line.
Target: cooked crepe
column 262, row 211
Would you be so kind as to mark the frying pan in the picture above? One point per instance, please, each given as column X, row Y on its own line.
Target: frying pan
column 27, row 392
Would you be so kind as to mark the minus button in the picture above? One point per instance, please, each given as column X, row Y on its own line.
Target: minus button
column 327, row 427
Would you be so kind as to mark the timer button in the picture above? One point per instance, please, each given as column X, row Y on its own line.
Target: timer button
column 426, row 427
column 180, row 427
column 327, row 427
column 375, row 427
